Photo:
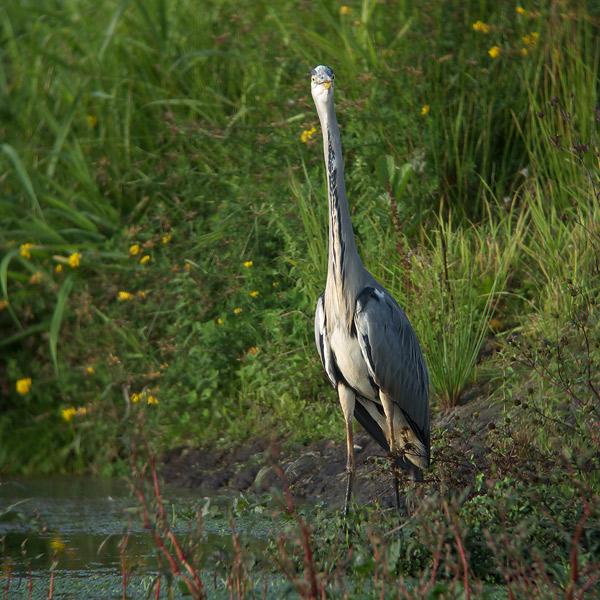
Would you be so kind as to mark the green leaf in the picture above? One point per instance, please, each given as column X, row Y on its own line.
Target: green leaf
column 62, row 132
column 112, row 26
column 24, row 177
column 57, row 317
column 401, row 178
column 4, row 283
column 37, row 328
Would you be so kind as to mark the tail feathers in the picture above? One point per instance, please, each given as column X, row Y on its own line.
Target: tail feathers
column 370, row 425
column 412, row 462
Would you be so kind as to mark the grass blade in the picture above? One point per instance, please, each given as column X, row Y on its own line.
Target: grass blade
column 61, row 136
column 24, row 177
column 57, row 317
column 4, row 283
column 112, row 26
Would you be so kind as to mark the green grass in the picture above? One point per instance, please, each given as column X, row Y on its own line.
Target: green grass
column 125, row 122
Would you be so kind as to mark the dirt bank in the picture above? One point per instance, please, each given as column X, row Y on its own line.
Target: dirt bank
column 316, row 472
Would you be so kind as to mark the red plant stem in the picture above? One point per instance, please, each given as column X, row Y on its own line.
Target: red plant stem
column 183, row 560
column 436, row 561
column 309, row 562
column 157, row 593
column 30, row 584
column 590, row 582
column 574, row 544
column 461, row 552
column 51, row 588
column 158, row 541
column 238, row 574
column 194, row 584
column 122, row 547
column 170, row 535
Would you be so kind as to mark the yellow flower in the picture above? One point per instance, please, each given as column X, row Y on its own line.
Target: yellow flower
column 81, row 411
column 57, row 545
column 142, row 294
column 145, row 259
column 220, row 321
column 520, row 10
column 531, row 39
column 425, row 110
column 3, row 305
column 253, row 350
column 254, row 294
column 75, row 260
column 58, row 268
column 248, row 264
column 494, row 51
column 68, row 413
column 308, row 135
column 151, row 400
column 124, row 296
column 136, row 397
column 35, row 278
column 187, row 267
column 134, row 249
column 91, row 120
column 345, row 10
column 237, row 310
column 165, row 239
column 523, row 52
column 90, row 370
column 25, row 250
column 23, row 386
column 481, row 27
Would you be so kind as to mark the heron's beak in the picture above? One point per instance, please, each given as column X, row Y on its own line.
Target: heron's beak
column 327, row 84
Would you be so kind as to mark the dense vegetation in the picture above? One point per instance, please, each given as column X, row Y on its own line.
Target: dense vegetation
column 164, row 215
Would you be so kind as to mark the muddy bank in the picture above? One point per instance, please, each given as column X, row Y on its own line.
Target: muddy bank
column 316, row 472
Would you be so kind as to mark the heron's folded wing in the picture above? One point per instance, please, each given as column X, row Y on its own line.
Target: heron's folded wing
column 391, row 350
column 322, row 342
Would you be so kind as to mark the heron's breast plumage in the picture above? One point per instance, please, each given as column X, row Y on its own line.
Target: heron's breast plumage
column 350, row 361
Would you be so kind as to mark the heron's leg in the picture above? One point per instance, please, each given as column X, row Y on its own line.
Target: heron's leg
column 388, row 409
column 347, row 400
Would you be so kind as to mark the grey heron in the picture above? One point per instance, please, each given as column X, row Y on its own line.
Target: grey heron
column 368, row 348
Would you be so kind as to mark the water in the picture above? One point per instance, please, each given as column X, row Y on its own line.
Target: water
column 75, row 525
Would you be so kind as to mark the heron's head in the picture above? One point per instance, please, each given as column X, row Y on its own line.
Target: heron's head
column 321, row 83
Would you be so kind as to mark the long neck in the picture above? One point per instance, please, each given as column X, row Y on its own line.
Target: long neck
column 343, row 260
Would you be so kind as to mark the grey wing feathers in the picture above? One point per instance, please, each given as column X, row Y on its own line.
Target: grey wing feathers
column 322, row 342
column 391, row 350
